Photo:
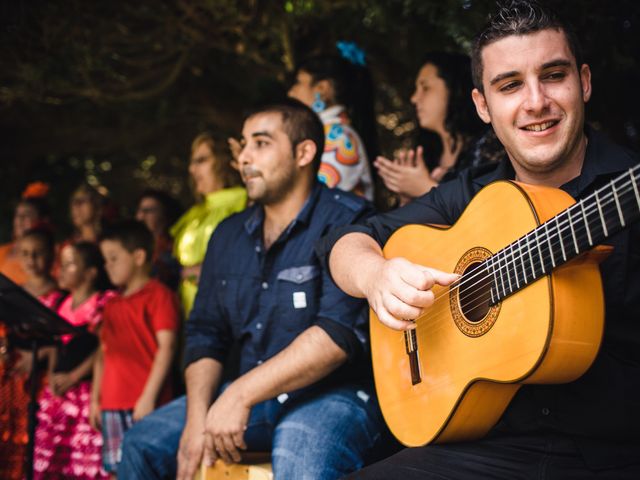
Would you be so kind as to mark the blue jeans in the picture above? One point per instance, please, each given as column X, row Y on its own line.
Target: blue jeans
column 323, row 436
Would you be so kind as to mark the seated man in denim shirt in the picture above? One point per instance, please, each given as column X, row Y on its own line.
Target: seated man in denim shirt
column 304, row 390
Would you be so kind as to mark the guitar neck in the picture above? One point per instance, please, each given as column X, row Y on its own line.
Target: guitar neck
column 573, row 231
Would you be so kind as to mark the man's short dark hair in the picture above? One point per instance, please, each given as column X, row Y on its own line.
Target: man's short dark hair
column 132, row 235
column 299, row 122
column 519, row 17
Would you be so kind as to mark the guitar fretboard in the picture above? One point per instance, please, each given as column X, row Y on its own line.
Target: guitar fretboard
column 565, row 236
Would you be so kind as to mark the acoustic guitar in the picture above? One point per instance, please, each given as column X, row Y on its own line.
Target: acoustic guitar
column 523, row 312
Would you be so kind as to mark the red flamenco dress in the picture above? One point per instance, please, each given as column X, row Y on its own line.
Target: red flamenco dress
column 14, row 403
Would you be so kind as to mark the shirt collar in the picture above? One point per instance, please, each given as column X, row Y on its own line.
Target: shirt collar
column 256, row 217
column 602, row 158
column 502, row 171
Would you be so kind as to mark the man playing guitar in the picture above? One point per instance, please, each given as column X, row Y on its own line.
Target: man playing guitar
column 532, row 86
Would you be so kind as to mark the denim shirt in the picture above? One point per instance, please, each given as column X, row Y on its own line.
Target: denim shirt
column 263, row 299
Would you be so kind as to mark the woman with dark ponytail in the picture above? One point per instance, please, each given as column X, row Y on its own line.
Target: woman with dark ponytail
column 456, row 137
column 339, row 89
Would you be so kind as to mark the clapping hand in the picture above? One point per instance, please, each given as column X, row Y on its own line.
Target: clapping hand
column 407, row 174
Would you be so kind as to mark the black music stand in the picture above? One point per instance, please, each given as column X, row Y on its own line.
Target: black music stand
column 32, row 322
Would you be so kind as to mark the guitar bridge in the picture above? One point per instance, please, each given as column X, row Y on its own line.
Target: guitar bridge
column 411, row 345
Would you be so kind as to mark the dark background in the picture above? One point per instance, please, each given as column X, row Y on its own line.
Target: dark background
column 114, row 91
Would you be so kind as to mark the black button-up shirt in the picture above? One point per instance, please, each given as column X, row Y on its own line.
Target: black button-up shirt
column 263, row 299
column 600, row 410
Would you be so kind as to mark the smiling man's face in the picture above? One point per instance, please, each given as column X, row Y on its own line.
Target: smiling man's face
column 534, row 97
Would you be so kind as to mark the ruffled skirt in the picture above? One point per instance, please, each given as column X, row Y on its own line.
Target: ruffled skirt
column 66, row 445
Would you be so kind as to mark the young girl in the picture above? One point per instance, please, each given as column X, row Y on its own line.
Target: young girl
column 66, row 445
column 34, row 252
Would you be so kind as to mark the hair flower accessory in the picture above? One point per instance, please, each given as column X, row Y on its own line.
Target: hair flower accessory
column 36, row 190
column 352, row 52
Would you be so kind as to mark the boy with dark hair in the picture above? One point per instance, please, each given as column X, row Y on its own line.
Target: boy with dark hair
column 136, row 340
column 132, row 235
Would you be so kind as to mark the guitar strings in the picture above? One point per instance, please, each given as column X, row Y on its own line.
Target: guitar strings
column 563, row 226
column 479, row 301
column 579, row 234
column 607, row 202
column 438, row 306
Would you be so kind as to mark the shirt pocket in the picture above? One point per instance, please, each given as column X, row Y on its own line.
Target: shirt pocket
column 298, row 291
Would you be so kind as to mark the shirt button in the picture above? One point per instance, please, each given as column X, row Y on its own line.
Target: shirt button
column 545, row 411
column 259, row 362
column 265, row 285
column 258, row 248
column 224, row 282
column 258, row 325
column 337, row 196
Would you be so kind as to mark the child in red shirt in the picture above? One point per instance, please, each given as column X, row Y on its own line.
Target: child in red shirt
column 137, row 339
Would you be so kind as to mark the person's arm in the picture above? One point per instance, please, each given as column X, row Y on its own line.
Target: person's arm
column 202, row 379
column 63, row 381
column 191, row 273
column 207, row 340
column 309, row 358
column 235, row 147
column 52, row 360
column 396, row 289
column 161, row 364
column 96, row 384
column 24, row 360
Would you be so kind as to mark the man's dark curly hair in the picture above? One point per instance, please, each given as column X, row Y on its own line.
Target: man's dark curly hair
column 299, row 122
column 519, row 17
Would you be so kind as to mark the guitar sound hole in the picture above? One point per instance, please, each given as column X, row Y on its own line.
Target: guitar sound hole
column 475, row 294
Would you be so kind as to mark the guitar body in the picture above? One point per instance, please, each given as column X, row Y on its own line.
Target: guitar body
column 470, row 367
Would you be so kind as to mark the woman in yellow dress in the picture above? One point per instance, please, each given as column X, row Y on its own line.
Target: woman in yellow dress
column 217, row 184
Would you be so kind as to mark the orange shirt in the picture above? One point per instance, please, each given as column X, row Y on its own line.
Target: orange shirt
column 10, row 266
